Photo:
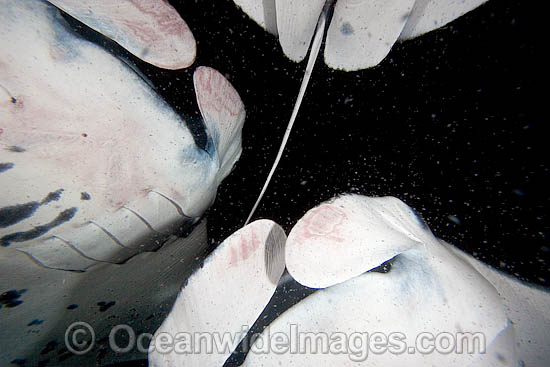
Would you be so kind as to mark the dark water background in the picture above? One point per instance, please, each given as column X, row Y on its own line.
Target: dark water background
column 450, row 123
column 447, row 122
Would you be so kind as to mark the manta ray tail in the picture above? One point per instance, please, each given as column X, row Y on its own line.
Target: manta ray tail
column 315, row 47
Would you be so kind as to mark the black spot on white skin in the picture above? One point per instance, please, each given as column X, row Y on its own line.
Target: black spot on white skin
column 85, row 196
column 104, row 306
column 72, row 307
column 52, row 196
column 10, row 299
column 38, row 231
column 347, row 29
column 383, row 268
column 19, row 362
column 10, row 215
column 35, row 322
column 5, row 166
column 15, row 149
column 49, row 347
column 12, row 98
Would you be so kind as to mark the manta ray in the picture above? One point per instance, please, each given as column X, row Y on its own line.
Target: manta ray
column 97, row 171
column 357, row 34
column 368, row 266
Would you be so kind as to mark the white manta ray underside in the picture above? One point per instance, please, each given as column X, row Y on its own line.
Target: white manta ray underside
column 420, row 288
column 97, row 171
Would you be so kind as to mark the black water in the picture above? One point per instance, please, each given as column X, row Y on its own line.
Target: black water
column 448, row 123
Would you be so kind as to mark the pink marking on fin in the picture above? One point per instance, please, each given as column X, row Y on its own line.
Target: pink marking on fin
column 249, row 246
column 233, row 260
column 215, row 93
column 246, row 246
column 223, row 113
column 150, row 29
column 323, row 221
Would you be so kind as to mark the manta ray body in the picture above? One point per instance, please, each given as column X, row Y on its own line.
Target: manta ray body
column 376, row 271
column 97, row 171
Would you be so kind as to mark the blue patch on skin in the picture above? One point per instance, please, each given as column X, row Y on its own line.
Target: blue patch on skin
column 64, row 36
column 419, row 219
column 35, row 322
column 198, row 131
column 347, row 29
column 5, row 166
column 10, row 299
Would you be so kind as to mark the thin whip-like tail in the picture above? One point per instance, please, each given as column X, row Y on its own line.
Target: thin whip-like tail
column 320, row 31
